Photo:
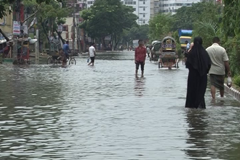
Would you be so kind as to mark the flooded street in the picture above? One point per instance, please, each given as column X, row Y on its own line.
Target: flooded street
column 105, row 113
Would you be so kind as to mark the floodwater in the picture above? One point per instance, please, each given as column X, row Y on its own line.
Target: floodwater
column 105, row 113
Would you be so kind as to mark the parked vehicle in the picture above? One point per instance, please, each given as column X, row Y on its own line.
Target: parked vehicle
column 135, row 44
column 155, row 50
column 184, row 35
column 5, row 47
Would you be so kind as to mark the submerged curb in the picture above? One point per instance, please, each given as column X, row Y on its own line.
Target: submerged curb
column 235, row 93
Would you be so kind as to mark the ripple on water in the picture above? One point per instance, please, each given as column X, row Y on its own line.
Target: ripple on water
column 104, row 112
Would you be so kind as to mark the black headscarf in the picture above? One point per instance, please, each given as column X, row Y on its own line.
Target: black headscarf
column 198, row 57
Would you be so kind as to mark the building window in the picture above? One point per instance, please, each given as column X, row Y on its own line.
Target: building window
column 130, row 2
column 144, row 9
column 143, row 2
column 143, row 15
column 90, row 2
column 65, row 28
column 143, row 21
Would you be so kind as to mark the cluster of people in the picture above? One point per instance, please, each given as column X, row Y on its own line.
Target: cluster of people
column 201, row 62
column 6, row 50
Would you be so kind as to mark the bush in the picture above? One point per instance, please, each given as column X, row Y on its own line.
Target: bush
column 236, row 80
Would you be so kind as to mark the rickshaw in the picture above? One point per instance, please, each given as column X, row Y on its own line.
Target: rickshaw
column 155, row 50
column 5, row 47
column 168, row 54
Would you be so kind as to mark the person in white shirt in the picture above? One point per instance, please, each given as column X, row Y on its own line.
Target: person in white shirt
column 220, row 64
column 148, row 51
column 92, row 54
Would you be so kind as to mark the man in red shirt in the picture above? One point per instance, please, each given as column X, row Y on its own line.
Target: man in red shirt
column 140, row 56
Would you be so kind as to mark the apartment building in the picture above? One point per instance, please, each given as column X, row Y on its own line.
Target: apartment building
column 89, row 2
column 170, row 6
column 141, row 9
column 154, row 8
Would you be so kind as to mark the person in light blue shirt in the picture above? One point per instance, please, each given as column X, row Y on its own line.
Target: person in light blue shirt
column 187, row 45
column 66, row 49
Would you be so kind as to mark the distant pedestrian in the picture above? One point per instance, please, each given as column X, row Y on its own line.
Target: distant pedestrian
column 148, row 51
column 66, row 49
column 187, row 45
column 198, row 62
column 140, row 56
column 220, row 64
column 92, row 54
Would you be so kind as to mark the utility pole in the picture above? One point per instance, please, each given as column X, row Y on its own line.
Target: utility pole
column 78, row 40
column 73, row 28
column 37, row 47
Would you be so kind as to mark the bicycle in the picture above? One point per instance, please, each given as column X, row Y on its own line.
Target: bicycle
column 58, row 60
column 22, row 53
column 54, row 60
column 71, row 60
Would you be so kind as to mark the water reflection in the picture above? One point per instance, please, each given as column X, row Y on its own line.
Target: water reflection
column 28, row 114
column 198, row 133
column 66, row 113
column 139, row 86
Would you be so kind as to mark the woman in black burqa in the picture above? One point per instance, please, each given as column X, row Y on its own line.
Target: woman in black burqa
column 198, row 63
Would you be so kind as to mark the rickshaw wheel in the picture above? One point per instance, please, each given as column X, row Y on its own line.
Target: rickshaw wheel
column 21, row 61
column 50, row 60
column 72, row 61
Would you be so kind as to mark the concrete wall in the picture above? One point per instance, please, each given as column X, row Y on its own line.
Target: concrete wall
column 235, row 93
column 69, row 23
column 171, row 6
column 6, row 23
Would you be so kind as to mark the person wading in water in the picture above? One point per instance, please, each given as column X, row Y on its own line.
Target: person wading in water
column 140, row 56
column 198, row 63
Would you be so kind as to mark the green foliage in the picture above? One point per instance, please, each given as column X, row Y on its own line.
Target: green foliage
column 230, row 26
column 107, row 17
column 136, row 32
column 233, row 49
column 49, row 15
column 236, row 80
column 160, row 26
column 178, row 46
column 4, row 5
column 187, row 16
column 207, row 30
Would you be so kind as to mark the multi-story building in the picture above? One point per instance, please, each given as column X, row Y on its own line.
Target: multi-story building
column 141, row 9
column 154, row 8
column 170, row 6
column 90, row 3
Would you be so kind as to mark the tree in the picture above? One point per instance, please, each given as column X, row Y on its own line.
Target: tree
column 108, row 17
column 49, row 14
column 160, row 26
column 136, row 32
column 207, row 30
column 4, row 5
column 230, row 26
column 187, row 16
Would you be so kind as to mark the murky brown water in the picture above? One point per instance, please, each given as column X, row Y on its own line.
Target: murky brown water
column 105, row 113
